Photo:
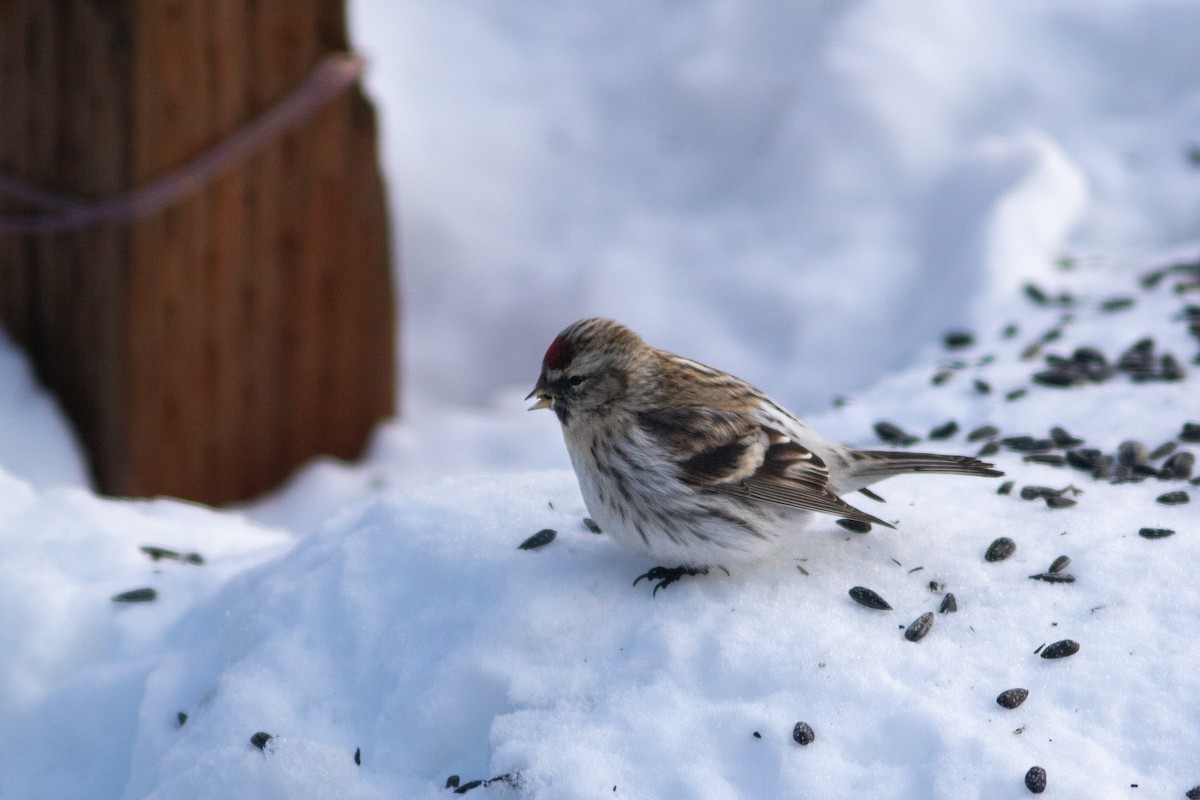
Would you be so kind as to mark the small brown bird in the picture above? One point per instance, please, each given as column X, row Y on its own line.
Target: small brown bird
column 694, row 467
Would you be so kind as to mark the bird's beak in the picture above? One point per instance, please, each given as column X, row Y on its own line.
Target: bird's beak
column 541, row 391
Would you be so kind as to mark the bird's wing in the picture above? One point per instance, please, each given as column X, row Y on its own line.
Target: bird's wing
column 728, row 452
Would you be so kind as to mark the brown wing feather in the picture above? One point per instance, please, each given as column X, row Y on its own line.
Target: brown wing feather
column 731, row 453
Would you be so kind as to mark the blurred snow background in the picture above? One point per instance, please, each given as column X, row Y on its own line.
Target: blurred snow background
column 807, row 194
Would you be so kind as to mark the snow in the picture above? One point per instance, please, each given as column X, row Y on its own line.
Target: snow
column 809, row 195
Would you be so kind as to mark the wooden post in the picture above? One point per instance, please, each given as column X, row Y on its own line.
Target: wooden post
column 205, row 351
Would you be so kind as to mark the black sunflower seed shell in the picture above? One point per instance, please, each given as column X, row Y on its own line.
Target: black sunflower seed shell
column 868, row 598
column 1058, row 501
column 1006, row 487
column 1173, row 498
column 143, row 595
column 983, row 432
column 949, row 604
column 1059, row 564
column 260, row 739
column 591, row 525
column 1061, row 649
column 1054, row 577
column 540, row 539
column 1000, row 549
column 855, row 525
column 803, row 734
column 1011, row 698
column 919, row 627
column 1035, row 780
column 1155, row 533
column 944, row 431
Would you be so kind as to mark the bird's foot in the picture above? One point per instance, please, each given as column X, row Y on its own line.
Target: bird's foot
column 668, row 575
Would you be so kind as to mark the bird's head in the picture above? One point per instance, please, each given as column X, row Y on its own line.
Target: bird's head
column 587, row 368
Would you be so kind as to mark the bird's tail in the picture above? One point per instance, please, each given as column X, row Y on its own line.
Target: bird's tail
column 869, row 466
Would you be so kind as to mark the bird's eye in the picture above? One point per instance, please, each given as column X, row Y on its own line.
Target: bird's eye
column 575, row 380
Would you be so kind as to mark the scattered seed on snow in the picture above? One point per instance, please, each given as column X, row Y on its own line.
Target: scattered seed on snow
column 1005, row 488
column 1061, row 649
column 866, row 597
column 1173, row 498
column 983, row 432
column 591, row 525
column 1011, row 698
column 803, row 734
column 1155, row 533
column 540, row 539
column 1000, row 549
column 944, row 431
column 949, row 604
column 144, row 595
column 982, row 386
column 1059, row 564
column 1035, row 780
column 1054, row 577
column 919, row 627
column 989, row 449
column 855, row 525
column 1178, row 466
column 956, row 340
column 260, row 740
column 1016, row 394
column 894, row 434
column 1058, row 501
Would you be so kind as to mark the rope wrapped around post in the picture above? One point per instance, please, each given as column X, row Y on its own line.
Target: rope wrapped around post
column 332, row 76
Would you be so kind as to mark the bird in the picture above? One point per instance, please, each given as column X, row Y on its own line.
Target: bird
column 693, row 467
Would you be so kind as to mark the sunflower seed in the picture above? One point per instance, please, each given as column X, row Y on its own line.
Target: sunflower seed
column 982, row 386
column 1005, row 488
column 1193, row 793
column 591, row 525
column 1058, row 501
column 1173, row 498
column 1058, row 378
column 944, row 431
column 989, row 449
column 983, row 432
column 260, row 740
column 1054, row 577
column 1011, row 698
column 803, row 733
column 1035, row 780
column 1131, row 452
column 1027, row 444
column 956, row 340
column 1010, row 330
column 949, row 604
column 1178, row 466
column 855, row 525
column 1049, row 459
column 1190, row 432
column 540, row 539
column 1036, row 492
column 1155, row 533
column 157, row 553
column 1000, row 549
column 1169, row 369
column 1062, row 649
column 1061, row 438
column 894, row 434
column 1016, row 394
column 1116, row 304
column 865, row 597
column 144, row 595
column 919, row 627
column 181, row 718
column 452, row 782
column 358, row 756
column 1059, row 564
column 468, row 786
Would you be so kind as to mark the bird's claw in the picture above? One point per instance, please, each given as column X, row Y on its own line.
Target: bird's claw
column 668, row 575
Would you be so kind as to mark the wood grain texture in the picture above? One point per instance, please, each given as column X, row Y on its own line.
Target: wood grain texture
column 206, row 351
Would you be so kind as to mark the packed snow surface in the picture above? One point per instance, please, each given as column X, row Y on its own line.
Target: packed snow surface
column 809, row 195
